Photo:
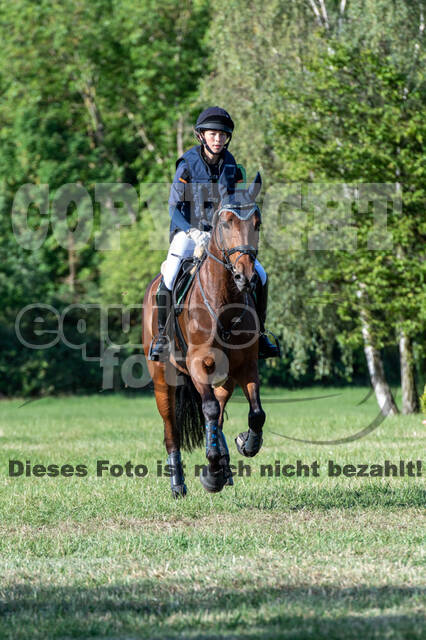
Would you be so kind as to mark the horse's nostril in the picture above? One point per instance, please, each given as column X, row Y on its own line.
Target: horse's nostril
column 238, row 276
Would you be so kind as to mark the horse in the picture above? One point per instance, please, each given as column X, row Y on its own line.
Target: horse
column 214, row 349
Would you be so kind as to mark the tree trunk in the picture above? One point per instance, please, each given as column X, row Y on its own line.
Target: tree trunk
column 410, row 398
column 88, row 93
column 375, row 365
column 89, row 99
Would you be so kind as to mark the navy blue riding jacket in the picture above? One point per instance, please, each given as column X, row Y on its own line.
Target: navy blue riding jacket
column 196, row 191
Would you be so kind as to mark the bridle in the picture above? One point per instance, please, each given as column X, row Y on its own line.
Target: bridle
column 243, row 212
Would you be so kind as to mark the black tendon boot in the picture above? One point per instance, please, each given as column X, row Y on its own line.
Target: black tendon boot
column 159, row 348
column 266, row 348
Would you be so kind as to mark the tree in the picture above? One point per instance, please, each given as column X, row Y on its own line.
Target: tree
column 326, row 92
column 360, row 118
column 125, row 273
column 108, row 110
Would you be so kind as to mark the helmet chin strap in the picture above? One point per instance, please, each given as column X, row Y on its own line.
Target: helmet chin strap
column 201, row 138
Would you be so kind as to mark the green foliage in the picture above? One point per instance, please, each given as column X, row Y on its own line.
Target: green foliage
column 107, row 91
column 331, row 98
column 423, row 401
column 108, row 109
column 92, row 92
column 125, row 273
column 350, row 124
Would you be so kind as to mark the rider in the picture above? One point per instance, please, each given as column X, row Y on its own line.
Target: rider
column 194, row 196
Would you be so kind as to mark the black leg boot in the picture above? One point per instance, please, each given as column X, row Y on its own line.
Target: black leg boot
column 159, row 348
column 266, row 348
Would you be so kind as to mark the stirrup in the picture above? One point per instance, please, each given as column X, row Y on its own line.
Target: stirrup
column 159, row 348
column 271, row 350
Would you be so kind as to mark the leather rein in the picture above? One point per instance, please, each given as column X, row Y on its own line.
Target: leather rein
column 227, row 263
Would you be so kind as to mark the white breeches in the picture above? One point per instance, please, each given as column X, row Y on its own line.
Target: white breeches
column 183, row 247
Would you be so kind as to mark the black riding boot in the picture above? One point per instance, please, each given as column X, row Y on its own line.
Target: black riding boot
column 160, row 344
column 266, row 348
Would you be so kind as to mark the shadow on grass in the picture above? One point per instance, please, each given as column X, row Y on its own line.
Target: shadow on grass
column 164, row 609
column 286, row 496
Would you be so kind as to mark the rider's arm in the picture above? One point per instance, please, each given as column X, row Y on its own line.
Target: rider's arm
column 178, row 218
column 179, row 200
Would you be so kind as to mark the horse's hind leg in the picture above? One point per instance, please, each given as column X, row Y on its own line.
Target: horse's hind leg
column 165, row 396
column 249, row 442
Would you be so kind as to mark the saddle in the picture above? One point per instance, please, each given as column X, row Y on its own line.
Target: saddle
column 187, row 272
column 182, row 283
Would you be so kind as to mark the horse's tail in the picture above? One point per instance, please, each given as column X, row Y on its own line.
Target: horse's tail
column 189, row 415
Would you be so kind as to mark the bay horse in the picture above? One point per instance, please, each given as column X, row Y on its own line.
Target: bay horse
column 215, row 348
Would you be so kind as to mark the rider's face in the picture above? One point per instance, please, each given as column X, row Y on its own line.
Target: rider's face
column 216, row 140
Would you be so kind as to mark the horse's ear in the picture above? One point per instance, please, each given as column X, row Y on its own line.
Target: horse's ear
column 255, row 187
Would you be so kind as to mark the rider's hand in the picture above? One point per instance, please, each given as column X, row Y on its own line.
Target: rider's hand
column 201, row 238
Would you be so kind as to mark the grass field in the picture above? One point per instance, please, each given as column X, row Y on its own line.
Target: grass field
column 270, row 557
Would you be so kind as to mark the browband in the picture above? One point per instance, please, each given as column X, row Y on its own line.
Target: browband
column 242, row 211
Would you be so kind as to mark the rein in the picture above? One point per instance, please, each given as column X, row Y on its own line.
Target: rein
column 245, row 249
column 226, row 333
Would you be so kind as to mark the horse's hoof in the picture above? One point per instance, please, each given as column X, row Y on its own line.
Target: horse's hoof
column 248, row 443
column 179, row 491
column 227, row 473
column 213, row 482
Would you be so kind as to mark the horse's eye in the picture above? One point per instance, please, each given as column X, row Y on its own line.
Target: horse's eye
column 226, row 225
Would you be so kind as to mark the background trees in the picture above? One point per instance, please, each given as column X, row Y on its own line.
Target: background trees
column 342, row 101
column 321, row 92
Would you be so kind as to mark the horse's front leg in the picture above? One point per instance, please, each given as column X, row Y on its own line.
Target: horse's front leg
column 249, row 442
column 223, row 394
column 213, row 477
column 202, row 365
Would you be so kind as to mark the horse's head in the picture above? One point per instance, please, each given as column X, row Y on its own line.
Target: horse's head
column 236, row 233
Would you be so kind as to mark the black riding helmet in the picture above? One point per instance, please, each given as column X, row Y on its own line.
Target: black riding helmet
column 214, row 118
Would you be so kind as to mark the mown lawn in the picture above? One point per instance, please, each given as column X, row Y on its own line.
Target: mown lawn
column 270, row 557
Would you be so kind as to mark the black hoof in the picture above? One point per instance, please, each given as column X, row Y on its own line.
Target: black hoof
column 224, row 452
column 227, row 473
column 213, row 482
column 179, row 491
column 248, row 443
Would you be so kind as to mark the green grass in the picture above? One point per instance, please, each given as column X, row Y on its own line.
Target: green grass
column 271, row 557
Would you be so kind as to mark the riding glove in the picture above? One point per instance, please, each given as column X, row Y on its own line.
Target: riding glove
column 201, row 238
